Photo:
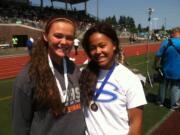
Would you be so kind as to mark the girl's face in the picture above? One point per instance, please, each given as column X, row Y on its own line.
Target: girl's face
column 101, row 50
column 60, row 39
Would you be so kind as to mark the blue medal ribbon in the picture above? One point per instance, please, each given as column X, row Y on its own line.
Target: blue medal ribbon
column 99, row 91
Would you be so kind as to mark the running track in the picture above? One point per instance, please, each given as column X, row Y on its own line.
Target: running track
column 10, row 66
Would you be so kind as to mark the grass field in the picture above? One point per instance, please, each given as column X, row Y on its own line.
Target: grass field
column 5, row 106
column 153, row 114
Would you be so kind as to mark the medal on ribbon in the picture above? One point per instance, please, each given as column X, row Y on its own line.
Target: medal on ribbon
column 93, row 105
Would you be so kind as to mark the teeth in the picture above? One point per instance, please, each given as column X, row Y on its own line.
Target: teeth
column 59, row 46
column 64, row 48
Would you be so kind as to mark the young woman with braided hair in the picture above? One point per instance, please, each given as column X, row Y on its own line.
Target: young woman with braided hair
column 112, row 96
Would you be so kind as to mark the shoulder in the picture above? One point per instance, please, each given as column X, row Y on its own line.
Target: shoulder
column 22, row 82
column 73, row 68
column 176, row 40
column 165, row 42
column 125, row 76
column 71, row 64
column 123, row 70
column 163, row 45
column 23, row 73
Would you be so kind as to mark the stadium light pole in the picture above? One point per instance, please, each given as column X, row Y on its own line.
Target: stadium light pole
column 165, row 23
column 97, row 11
column 150, row 10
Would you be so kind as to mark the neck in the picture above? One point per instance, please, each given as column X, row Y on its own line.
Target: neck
column 108, row 66
column 56, row 59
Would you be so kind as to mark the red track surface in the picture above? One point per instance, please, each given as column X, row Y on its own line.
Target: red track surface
column 171, row 126
column 10, row 66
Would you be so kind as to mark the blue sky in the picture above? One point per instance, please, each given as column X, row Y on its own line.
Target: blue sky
column 166, row 12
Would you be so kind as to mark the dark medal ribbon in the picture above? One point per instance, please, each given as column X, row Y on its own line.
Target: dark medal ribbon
column 94, row 106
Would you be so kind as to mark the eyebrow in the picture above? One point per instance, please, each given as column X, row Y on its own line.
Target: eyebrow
column 64, row 36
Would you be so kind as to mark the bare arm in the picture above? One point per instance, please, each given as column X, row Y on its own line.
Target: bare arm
column 135, row 120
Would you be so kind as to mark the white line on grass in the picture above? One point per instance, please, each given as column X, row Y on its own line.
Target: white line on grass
column 159, row 123
column 5, row 98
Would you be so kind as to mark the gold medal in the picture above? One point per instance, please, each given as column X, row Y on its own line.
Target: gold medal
column 94, row 107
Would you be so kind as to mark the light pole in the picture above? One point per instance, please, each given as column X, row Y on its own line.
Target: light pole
column 150, row 10
column 165, row 24
column 97, row 11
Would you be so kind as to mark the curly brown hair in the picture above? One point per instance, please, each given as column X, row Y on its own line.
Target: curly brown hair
column 47, row 93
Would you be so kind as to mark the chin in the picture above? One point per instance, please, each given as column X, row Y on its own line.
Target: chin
column 60, row 55
column 103, row 65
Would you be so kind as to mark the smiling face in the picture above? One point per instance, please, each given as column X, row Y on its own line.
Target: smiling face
column 60, row 38
column 102, row 50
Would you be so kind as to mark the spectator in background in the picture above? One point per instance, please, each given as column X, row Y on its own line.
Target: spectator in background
column 29, row 44
column 112, row 95
column 168, row 59
column 131, row 39
column 46, row 96
column 76, row 45
column 15, row 42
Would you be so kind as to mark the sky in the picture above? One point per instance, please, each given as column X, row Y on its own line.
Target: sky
column 166, row 12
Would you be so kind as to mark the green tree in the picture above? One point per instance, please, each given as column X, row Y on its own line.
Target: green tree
column 163, row 28
column 114, row 20
column 111, row 20
column 139, row 28
column 41, row 3
column 122, row 22
column 128, row 23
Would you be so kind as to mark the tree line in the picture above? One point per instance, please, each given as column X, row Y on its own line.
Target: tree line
column 128, row 23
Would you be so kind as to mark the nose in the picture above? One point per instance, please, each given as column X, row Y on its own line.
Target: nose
column 63, row 41
column 98, row 50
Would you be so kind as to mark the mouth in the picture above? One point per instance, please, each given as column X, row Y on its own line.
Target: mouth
column 100, row 58
column 65, row 49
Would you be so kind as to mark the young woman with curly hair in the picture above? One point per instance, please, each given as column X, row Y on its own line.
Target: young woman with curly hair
column 46, row 95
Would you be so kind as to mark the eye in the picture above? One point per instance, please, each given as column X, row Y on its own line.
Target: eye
column 59, row 36
column 102, row 45
column 92, row 47
column 67, row 37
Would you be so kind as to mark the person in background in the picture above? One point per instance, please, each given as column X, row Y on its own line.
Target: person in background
column 112, row 96
column 46, row 95
column 14, row 42
column 76, row 45
column 168, row 60
column 29, row 44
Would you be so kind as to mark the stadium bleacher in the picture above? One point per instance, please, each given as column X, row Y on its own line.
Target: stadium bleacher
column 20, row 13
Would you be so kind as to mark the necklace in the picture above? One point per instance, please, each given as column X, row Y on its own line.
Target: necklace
column 94, row 106
column 63, row 94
